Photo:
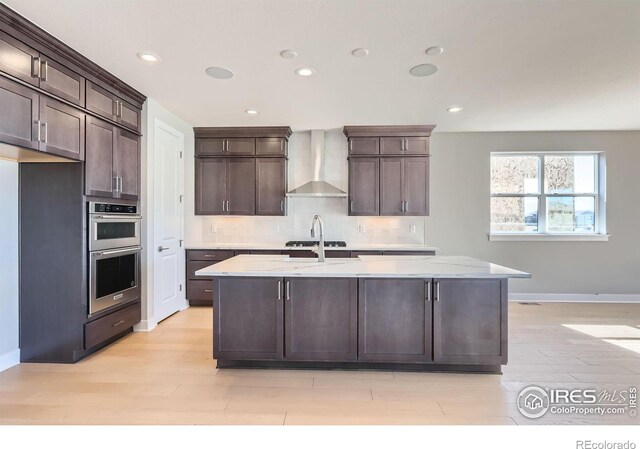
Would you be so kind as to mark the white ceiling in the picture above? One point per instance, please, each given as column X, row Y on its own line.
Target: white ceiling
column 519, row 65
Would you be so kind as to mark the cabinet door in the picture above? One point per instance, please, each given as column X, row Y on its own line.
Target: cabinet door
column 247, row 319
column 391, row 186
column 62, row 130
column 18, row 114
column 392, row 145
column 271, row 146
column 395, row 320
column 470, row 321
column 416, row 186
column 18, row 59
column 364, row 187
column 241, row 186
column 129, row 116
column 101, row 101
column 211, row 186
column 364, row 145
column 62, row 82
column 238, row 147
column 210, row 147
column 321, row 319
column 99, row 175
column 126, row 162
column 271, row 186
column 416, row 145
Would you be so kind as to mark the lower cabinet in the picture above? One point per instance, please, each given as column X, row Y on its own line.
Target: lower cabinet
column 102, row 329
column 395, row 320
column 248, row 318
column 321, row 319
column 470, row 321
column 199, row 289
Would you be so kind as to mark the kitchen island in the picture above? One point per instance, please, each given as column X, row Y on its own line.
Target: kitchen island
column 428, row 313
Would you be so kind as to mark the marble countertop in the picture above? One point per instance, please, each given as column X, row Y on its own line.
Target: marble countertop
column 282, row 247
column 363, row 266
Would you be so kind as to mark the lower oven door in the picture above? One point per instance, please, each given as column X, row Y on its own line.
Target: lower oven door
column 114, row 278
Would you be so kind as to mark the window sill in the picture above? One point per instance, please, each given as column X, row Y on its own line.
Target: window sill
column 548, row 237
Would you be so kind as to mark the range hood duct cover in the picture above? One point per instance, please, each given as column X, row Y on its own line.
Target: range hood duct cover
column 317, row 187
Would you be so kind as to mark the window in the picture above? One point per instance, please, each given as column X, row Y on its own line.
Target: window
column 547, row 194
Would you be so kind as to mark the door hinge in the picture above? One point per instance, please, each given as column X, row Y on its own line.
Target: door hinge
column 181, row 155
column 181, row 243
column 181, row 197
column 180, row 287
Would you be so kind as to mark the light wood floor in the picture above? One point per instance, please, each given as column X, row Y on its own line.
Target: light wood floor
column 167, row 376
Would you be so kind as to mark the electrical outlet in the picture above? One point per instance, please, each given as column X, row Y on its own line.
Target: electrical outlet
column 276, row 228
column 412, row 229
column 213, row 229
column 361, row 229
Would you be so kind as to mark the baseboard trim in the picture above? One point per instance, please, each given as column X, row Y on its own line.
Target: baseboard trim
column 9, row 359
column 145, row 326
column 576, row 297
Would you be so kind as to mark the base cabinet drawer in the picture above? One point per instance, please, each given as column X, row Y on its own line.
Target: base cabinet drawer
column 209, row 254
column 200, row 291
column 408, row 253
column 106, row 327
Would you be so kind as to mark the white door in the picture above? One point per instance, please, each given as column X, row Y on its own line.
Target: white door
column 168, row 273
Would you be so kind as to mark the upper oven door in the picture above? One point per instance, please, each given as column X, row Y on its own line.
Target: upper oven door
column 113, row 231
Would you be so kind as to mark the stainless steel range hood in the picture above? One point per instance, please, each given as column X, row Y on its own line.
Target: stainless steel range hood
column 317, row 187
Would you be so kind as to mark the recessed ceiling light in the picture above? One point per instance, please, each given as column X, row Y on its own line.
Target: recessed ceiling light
column 455, row 109
column 305, row 71
column 423, row 70
column 288, row 54
column 147, row 56
column 434, row 51
column 219, row 73
column 359, row 52
column 251, row 111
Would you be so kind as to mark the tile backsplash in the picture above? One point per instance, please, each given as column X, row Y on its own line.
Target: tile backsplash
column 297, row 224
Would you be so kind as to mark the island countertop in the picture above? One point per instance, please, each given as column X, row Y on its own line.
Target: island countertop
column 363, row 266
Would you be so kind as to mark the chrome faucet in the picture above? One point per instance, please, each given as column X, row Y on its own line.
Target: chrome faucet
column 319, row 248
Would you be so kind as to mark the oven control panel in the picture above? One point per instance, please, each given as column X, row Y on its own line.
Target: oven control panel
column 97, row 208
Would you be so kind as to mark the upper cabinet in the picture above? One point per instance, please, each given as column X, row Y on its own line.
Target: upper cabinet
column 241, row 171
column 48, row 92
column 388, row 170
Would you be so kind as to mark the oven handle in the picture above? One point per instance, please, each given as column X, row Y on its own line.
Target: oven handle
column 117, row 251
column 118, row 217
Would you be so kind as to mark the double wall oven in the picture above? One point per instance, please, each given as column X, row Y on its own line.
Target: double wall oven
column 114, row 255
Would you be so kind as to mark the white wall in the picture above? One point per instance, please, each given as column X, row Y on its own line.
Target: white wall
column 9, row 352
column 459, row 221
column 296, row 225
column 154, row 111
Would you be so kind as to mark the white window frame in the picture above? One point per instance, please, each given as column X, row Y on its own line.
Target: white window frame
column 599, row 233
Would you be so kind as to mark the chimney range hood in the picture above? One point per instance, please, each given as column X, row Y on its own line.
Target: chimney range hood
column 317, row 187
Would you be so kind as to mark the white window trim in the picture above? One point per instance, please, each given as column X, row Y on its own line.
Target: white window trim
column 600, row 235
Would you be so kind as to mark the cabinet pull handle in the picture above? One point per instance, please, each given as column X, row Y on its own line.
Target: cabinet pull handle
column 350, row 145
column 437, row 295
column 281, row 205
column 44, row 70
column 279, row 290
column 401, row 206
column 225, row 145
column 35, row 67
column 227, row 205
column 287, row 291
column 38, row 132
column 120, row 114
column 351, row 206
column 114, row 108
column 46, row 132
column 406, row 206
column 208, row 290
column 428, row 288
column 118, row 323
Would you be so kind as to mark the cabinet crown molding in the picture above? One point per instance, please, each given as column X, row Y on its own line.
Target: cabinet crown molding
column 388, row 131
column 12, row 22
column 244, row 131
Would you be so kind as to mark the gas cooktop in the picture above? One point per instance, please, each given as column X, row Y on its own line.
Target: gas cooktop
column 309, row 243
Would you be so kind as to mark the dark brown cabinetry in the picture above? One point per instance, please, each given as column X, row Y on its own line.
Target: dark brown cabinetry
column 199, row 289
column 108, row 105
column 248, row 318
column 60, row 81
column 364, row 186
column 18, row 114
column 112, row 161
column 395, row 320
column 321, row 319
column 18, row 60
column 397, row 181
column 470, row 321
column 106, row 327
column 230, row 177
column 61, row 129
column 271, row 186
